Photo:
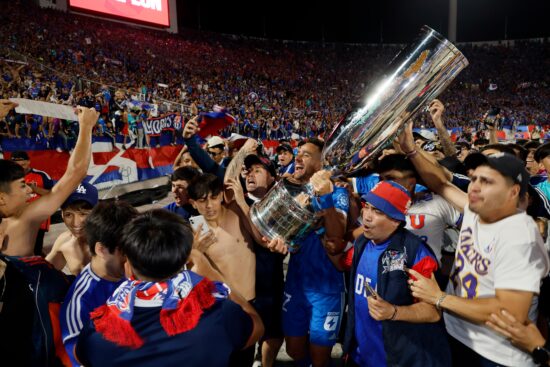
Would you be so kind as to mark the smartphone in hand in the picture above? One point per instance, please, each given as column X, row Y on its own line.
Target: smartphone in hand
column 371, row 290
column 196, row 221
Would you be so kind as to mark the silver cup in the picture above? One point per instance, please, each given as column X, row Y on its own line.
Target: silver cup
column 417, row 75
column 282, row 215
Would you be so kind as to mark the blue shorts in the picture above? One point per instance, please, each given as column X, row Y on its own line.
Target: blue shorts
column 317, row 313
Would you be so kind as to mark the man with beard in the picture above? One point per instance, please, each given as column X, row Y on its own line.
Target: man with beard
column 313, row 295
column 181, row 178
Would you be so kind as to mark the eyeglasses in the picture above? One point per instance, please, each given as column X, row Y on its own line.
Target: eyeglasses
column 214, row 154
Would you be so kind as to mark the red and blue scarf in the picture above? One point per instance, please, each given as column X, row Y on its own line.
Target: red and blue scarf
column 183, row 299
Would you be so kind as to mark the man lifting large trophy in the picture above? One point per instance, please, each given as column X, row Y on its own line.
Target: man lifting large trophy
column 416, row 76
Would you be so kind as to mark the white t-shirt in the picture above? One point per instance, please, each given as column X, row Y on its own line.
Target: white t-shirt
column 429, row 217
column 508, row 254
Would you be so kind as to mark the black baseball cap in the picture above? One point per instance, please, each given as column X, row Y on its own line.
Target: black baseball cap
column 506, row 164
column 253, row 159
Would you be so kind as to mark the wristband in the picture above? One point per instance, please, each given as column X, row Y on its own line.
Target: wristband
column 394, row 313
column 411, row 154
column 439, row 300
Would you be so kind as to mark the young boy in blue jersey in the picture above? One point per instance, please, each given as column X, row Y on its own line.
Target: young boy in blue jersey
column 386, row 326
column 105, row 272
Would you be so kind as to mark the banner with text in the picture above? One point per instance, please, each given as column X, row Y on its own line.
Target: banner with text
column 155, row 126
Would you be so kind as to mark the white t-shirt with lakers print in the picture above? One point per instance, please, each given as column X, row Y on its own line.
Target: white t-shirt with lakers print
column 508, row 254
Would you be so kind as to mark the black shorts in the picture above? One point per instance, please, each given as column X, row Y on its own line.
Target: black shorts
column 270, row 310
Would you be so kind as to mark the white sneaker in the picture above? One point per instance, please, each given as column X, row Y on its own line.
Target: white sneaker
column 257, row 364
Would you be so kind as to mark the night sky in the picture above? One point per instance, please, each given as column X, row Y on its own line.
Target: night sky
column 367, row 21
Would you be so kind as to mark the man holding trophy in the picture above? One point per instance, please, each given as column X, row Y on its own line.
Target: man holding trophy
column 308, row 212
column 314, row 290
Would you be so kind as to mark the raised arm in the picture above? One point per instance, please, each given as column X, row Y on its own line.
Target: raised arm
column 40, row 209
column 433, row 175
column 177, row 161
column 202, row 158
column 234, row 168
column 436, row 109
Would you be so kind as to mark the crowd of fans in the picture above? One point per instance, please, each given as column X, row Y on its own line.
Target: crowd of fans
column 443, row 247
column 444, row 244
column 274, row 89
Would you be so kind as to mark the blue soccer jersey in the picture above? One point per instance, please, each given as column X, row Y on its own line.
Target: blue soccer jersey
column 310, row 267
column 88, row 292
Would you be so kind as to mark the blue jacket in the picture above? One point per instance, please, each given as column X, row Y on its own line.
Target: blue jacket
column 406, row 344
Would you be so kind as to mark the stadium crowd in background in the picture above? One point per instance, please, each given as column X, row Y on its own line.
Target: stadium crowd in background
column 273, row 89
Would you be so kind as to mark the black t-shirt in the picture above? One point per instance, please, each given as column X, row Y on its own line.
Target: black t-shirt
column 222, row 329
column 16, row 318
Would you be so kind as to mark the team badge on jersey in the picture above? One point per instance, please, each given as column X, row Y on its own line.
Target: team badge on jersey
column 394, row 260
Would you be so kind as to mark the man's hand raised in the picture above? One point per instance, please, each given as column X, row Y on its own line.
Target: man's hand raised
column 436, row 109
column 191, row 128
column 87, row 117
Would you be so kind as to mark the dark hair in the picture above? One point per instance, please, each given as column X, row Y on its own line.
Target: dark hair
column 397, row 162
column 317, row 142
column 157, row 243
column 521, row 152
column 185, row 173
column 542, row 152
column 531, row 145
column 203, row 185
column 481, row 141
column 9, row 172
column 472, row 161
column 499, row 147
column 105, row 223
column 463, row 144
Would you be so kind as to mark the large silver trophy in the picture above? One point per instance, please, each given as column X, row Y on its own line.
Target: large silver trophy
column 417, row 75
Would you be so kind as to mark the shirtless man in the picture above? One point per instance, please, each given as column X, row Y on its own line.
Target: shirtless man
column 71, row 248
column 21, row 220
column 229, row 245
